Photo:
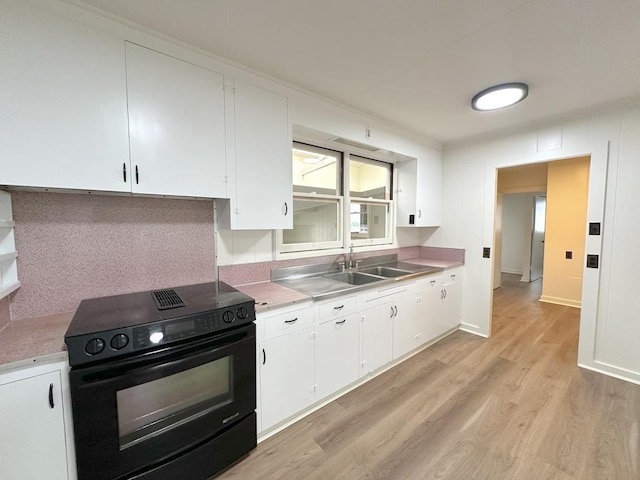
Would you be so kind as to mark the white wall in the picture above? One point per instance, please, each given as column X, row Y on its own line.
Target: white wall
column 516, row 223
column 609, row 330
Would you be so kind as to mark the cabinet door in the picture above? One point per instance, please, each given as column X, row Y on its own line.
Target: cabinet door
column 432, row 308
column 286, row 376
column 376, row 334
column 336, row 355
column 32, row 431
column 408, row 324
column 452, row 301
column 64, row 103
column 176, row 124
column 263, row 183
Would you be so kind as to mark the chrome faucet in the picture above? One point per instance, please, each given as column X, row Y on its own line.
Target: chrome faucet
column 351, row 256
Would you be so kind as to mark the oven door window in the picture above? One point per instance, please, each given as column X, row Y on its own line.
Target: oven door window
column 152, row 408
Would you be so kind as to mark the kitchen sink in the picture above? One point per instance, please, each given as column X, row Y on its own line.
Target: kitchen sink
column 353, row 278
column 386, row 272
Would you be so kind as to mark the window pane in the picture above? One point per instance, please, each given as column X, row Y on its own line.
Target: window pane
column 369, row 220
column 316, row 170
column 314, row 221
column 369, row 178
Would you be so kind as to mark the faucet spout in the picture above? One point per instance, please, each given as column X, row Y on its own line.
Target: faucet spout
column 351, row 256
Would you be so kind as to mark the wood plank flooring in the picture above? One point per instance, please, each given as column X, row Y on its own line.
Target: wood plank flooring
column 514, row 406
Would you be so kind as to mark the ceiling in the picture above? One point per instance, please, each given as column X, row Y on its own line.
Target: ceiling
column 418, row 63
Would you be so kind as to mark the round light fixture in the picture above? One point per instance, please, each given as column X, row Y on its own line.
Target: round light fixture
column 500, row 96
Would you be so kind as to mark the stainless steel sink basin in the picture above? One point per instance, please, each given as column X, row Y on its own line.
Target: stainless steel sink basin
column 353, row 278
column 386, row 272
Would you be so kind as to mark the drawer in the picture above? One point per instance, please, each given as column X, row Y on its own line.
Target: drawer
column 455, row 275
column 338, row 307
column 378, row 296
column 290, row 321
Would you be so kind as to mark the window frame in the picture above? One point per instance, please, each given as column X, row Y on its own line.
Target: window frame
column 344, row 200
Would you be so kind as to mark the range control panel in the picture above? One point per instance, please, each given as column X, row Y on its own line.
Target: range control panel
column 110, row 344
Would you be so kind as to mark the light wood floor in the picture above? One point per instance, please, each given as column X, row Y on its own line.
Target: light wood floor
column 514, row 406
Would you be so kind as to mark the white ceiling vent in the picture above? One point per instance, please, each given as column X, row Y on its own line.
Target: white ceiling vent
column 351, row 143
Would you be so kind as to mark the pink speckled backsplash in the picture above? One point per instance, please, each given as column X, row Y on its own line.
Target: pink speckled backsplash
column 438, row 253
column 72, row 247
column 5, row 316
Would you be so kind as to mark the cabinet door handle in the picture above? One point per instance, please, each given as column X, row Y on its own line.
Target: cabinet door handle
column 396, row 308
column 264, row 356
column 341, row 322
column 124, row 172
column 391, row 311
column 51, row 404
column 441, row 294
column 445, row 293
column 286, row 208
column 339, row 308
column 291, row 321
column 136, row 174
column 419, row 213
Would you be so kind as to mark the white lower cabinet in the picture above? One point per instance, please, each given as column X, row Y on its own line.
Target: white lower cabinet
column 286, row 365
column 336, row 354
column 377, row 333
column 32, row 426
column 452, row 297
column 409, row 324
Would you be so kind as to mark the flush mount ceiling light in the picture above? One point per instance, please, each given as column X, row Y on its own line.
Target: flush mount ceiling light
column 500, row 96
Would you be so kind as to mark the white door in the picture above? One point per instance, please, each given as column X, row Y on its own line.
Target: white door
column 376, row 335
column 286, row 376
column 537, row 237
column 176, row 124
column 336, row 355
column 32, row 431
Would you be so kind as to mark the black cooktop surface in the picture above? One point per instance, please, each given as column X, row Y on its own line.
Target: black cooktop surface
column 121, row 311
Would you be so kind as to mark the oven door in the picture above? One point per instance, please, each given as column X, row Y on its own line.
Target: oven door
column 133, row 415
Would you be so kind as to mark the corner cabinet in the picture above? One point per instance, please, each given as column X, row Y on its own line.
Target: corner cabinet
column 35, row 424
column 419, row 191
column 176, row 126
column 261, row 142
column 64, row 105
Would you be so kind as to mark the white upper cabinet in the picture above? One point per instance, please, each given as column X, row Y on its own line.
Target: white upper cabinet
column 63, row 114
column 262, row 144
column 176, row 125
column 419, row 191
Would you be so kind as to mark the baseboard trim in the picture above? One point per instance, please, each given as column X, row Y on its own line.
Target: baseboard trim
column 514, row 271
column 465, row 327
column 611, row 371
column 561, row 301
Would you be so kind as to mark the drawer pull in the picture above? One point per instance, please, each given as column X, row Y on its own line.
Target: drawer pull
column 339, row 308
column 51, row 404
column 453, row 276
column 341, row 322
column 432, row 282
column 291, row 321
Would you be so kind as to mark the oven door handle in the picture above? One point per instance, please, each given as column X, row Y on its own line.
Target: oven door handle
column 207, row 345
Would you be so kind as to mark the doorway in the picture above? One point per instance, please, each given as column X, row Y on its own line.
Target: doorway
column 550, row 200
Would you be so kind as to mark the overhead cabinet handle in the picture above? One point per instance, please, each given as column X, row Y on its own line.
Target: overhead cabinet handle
column 136, row 174
column 285, row 208
column 291, row 321
column 124, row 172
column 419, row 213
column 264, row 356
column 51, row 404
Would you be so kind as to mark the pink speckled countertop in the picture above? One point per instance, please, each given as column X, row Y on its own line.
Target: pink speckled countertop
column 36, row 337
column 269, row 295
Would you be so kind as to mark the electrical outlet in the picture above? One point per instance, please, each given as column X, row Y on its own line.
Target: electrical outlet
column 592, row 261
column 594, row 228
column 568, row 255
